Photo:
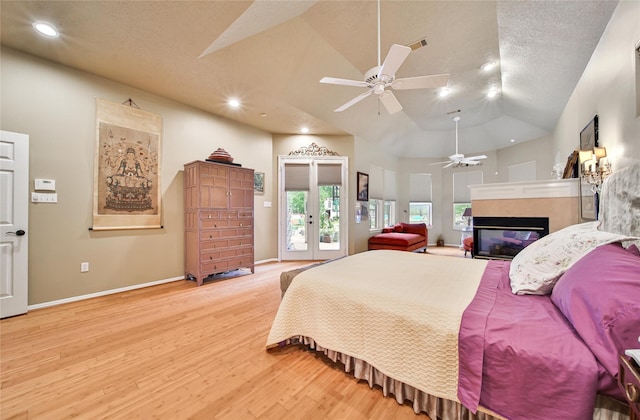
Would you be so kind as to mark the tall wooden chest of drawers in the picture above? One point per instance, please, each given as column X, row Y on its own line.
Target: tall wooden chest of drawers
column 218, row 205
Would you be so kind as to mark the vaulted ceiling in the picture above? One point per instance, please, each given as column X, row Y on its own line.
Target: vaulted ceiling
column 271, row 55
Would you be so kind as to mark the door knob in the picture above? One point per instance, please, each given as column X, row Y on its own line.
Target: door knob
column 17, row 233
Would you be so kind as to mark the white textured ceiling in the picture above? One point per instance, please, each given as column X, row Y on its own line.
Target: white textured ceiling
column 272, row 53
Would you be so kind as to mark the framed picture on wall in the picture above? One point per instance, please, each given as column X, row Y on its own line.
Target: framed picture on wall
column 589, row 135
column 363, row 186
column 258, row 182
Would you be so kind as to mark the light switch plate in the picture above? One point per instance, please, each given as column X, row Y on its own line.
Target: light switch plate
column 44, row 197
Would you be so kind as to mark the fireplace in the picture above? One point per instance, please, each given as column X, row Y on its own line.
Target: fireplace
column 504, row 237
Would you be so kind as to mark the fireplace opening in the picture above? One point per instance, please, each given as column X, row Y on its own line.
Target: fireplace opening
column 504, row 237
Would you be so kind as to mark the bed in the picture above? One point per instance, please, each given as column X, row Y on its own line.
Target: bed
column 531, row 338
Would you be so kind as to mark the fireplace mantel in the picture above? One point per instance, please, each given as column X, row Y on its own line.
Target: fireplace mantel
column 553, row 188
column 556, row 199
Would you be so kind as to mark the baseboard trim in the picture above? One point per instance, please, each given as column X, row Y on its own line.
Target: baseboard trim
column 118, row 290
column 268, row 260
column 102, row 293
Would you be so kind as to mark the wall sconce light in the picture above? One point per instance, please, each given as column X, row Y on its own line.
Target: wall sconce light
column 595, row 167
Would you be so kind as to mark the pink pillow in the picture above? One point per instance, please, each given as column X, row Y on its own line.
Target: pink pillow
column 600, row 296
column 633, row 248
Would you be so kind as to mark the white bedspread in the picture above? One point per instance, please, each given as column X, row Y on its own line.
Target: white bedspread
column 398, row 311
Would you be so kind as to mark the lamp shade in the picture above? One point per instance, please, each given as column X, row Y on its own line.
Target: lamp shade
column 467, row 212
column 600, row 152
column 585, row 155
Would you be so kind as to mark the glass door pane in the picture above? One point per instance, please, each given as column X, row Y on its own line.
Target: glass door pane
column 297, row 232
column 329, row 216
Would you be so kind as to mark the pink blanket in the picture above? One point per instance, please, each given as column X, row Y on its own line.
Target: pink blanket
column 520, row 357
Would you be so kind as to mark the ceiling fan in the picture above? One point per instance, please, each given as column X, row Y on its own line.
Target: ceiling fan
column 457, row 160
column 379, row 78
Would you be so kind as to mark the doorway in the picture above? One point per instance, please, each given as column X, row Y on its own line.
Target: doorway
column 312, row 207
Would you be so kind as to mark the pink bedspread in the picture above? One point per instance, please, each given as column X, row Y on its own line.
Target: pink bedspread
column 521, row 358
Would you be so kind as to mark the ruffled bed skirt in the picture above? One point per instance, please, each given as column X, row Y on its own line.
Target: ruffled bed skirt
column 434, row 407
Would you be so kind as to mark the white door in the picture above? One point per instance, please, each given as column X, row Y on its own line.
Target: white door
column 14, row 218
column 313, row 216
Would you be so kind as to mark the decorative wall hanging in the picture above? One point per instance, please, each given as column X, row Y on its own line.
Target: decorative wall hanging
column 313, row 150
column 363, row 187
column 258, row 182
column 126, row 184
column 589, row 135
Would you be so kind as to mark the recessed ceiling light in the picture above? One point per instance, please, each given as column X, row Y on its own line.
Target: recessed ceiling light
column 444, row 92
column 234, row 103
column 488, row 65
column 493, row 92
column 512, row 140
column 304, row 130
column 46, row 29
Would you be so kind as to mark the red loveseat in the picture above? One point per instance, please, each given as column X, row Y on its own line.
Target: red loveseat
column 401, row 237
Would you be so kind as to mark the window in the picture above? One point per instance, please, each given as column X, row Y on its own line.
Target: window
column 420, row 212
column 374, row 222
column 459, row 222
column 420, row 207
column 389, row 217
column 382, row 197
column 462, row 195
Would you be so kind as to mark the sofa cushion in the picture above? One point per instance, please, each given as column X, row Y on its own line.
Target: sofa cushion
column 417, row 228
column 395, row 238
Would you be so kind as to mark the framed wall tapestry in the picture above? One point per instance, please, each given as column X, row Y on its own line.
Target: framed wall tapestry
column 126, row 184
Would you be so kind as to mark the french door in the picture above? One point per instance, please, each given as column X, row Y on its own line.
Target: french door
column 313, row 216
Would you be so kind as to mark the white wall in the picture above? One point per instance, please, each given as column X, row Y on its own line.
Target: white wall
column 55, row 105
column 608, row 89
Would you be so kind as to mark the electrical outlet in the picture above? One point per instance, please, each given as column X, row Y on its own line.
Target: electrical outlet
column 84, row 267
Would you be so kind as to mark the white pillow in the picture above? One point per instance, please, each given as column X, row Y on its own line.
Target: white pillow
column 537, row 267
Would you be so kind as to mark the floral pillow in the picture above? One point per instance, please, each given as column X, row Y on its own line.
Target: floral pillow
column 537, row 267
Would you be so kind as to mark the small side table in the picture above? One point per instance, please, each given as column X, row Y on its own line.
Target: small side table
column 629, row 382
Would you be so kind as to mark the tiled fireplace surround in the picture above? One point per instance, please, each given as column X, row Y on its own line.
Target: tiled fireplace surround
column 553, row 199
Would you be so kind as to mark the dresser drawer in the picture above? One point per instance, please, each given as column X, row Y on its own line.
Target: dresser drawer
column 225, row 253
column 244, row 241
column 629, row 381
column 218, row 266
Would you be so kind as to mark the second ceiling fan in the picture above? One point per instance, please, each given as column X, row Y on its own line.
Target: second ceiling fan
column 379, row 78
column 457, row 160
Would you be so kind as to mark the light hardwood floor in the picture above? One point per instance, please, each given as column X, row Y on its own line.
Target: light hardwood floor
column 175, row 351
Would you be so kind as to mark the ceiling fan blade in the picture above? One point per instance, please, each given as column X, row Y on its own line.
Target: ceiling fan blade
column 421, row 82
column 440, row 163
column 476, row 157
column 353, row 101
column 390, row 102
column 394, row 59
column 449, row 165
column 346, row 82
